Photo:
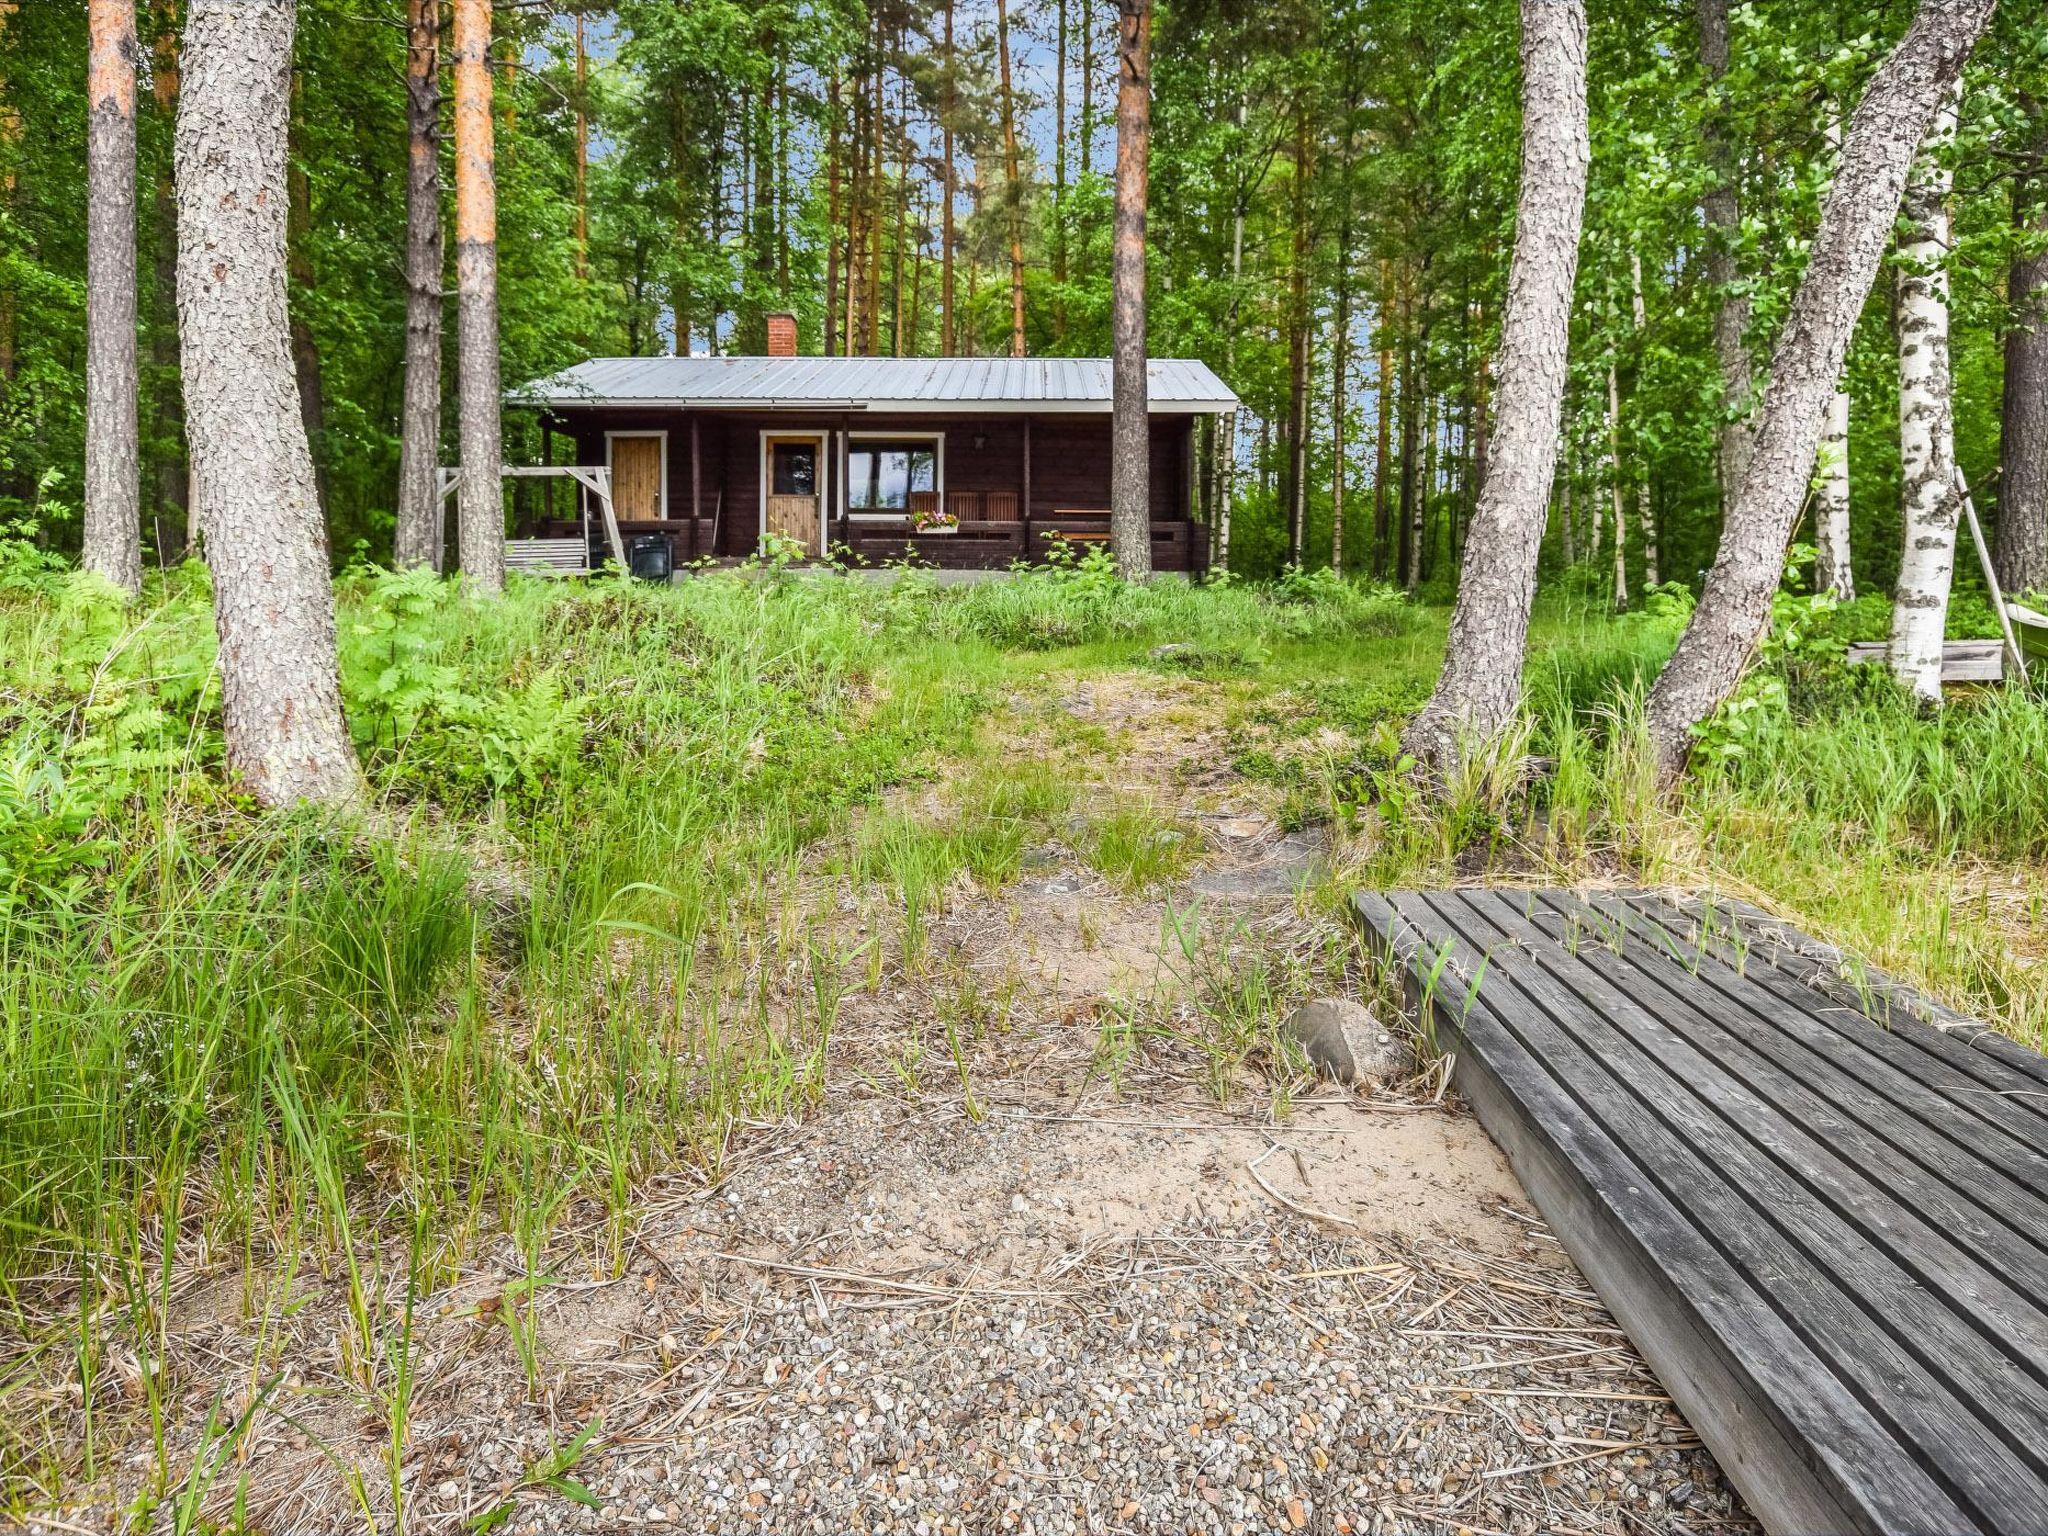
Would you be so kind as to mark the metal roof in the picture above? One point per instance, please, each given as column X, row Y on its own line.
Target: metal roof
column 993, row 384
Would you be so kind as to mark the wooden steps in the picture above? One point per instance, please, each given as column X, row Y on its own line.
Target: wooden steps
column 1818, row 1204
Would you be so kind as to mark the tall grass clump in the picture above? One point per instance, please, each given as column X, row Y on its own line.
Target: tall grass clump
column 526, row 972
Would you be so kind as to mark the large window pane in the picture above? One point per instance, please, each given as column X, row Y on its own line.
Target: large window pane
column 882, row 476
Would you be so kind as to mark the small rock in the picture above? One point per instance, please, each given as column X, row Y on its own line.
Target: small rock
column 1344, row 1041
column 1168, row 652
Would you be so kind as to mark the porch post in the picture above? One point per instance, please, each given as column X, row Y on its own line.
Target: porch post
column 696, row 482
column 1024, row 511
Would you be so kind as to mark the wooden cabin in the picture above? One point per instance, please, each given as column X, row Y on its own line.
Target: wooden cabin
column 976, row 463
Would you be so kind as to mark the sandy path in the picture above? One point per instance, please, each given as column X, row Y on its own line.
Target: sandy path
column 1075, row 1290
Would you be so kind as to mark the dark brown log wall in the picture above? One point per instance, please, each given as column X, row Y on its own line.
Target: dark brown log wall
column 1069, row 459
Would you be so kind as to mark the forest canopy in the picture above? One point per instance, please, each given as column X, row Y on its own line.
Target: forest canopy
column 1332, row 197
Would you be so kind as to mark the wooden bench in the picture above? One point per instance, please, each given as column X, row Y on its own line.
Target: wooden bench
column 1962, row 661
column 548, row 557
column 1816, row 1201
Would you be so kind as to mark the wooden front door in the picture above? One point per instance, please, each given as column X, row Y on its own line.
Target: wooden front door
column 636, row 478
column 794, row 486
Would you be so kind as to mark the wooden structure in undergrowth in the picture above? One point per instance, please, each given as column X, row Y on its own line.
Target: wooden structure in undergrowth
column 1817, row 1201
column 573, row 553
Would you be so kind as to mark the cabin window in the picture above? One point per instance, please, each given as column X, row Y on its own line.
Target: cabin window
column 883, row 476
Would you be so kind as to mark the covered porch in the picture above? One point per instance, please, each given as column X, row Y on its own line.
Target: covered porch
column 951, row 491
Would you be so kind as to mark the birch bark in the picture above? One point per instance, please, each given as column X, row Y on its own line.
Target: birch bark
column 1856, row 222
column 1927, row 437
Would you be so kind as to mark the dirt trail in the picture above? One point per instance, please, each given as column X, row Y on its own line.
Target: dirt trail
column 1034, row 1272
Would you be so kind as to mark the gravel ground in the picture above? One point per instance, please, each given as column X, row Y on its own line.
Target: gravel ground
column 816, row 1347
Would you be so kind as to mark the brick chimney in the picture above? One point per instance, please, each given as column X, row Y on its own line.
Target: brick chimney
column 782, row 334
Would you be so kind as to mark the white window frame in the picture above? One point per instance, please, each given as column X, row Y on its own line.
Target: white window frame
column 938, row 442
column 612, row 468
column 822, row 436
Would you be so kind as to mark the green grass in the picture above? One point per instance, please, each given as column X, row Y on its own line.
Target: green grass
column 575, row 942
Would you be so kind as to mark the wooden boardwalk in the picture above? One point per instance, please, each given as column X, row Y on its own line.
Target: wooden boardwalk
column 1818, row 1204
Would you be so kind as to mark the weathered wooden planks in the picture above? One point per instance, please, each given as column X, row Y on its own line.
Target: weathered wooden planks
column 1818, row 1203
column 1962, row 661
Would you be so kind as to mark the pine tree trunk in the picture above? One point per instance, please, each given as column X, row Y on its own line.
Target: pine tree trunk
column 1087, row 91
column 252, row 469
column 878, row 124
column 1383, row 409
column 682, row 299
column 948, row 109
column 1014, row 190
column 1340, row 361
column 1059, row 174
column 10, row 138
column 896, row 304
column 1927, row 435
column 113, row 450
column 480, row 511
column 1832, row 571
column 2023, row 436
column 1298, row 363
column 419, row 536
column 1806, row 367
column 831, row 305
column 304, row 284
column 173, row 490
column 1480, row 691
column 582, row 145
column 1130, row 493
column 1722, row 209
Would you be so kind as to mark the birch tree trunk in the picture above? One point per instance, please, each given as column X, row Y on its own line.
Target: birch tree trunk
column 1616, row 492
column 1477, row 696
column 1927, row 434
column 113, row 452
column 1646, row 519
column 1226, row 480
column 1722, row 209
column 1832, row 571
column 1856, row 221
column 1130, row 491
column 420, row 533
column 480, row 512
column 252, row 470
column 2023, row 435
